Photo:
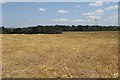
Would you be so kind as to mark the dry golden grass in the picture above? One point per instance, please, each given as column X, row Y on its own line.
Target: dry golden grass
column 67, row 55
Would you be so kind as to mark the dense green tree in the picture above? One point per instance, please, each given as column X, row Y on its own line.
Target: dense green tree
column 56, row 29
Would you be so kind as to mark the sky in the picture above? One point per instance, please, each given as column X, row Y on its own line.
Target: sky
column 24, row 14
column 57, row 0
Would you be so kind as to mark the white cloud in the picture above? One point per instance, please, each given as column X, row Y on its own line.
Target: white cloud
column 78, row 6
column 97, row 3
column 112, row 17
column 2, row 1
column 78, row 20
column 99, row 12
column 42, row 9
column 64, row 19
column 63, row 11
column 89, row 13
column 112, row 7
column 89, row 20
column 94, row 17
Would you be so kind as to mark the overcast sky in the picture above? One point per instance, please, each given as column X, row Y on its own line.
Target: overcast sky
column 23, row 14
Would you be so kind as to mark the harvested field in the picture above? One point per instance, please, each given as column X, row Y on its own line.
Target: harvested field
column 67, row 55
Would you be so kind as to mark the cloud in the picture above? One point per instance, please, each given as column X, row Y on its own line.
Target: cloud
column 63, row 11
column 99, row 12
column 112, row 17
column 78, row 20
column 112, row 7
column 2, row 1
column 97, row 3
column 42, row 9
column 89, row 20
column 94, row 17
column 89, row 13
column 5, row 1
column 64, row 19
column 78, row 6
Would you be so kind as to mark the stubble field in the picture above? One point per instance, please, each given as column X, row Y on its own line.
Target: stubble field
column 67, row 55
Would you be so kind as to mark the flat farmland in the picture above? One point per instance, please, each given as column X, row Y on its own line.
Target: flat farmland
column 67, row 55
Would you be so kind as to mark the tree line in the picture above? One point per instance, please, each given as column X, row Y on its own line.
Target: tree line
column 56, row 29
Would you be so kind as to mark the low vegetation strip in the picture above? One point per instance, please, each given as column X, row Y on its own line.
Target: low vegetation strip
column 56, row 29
